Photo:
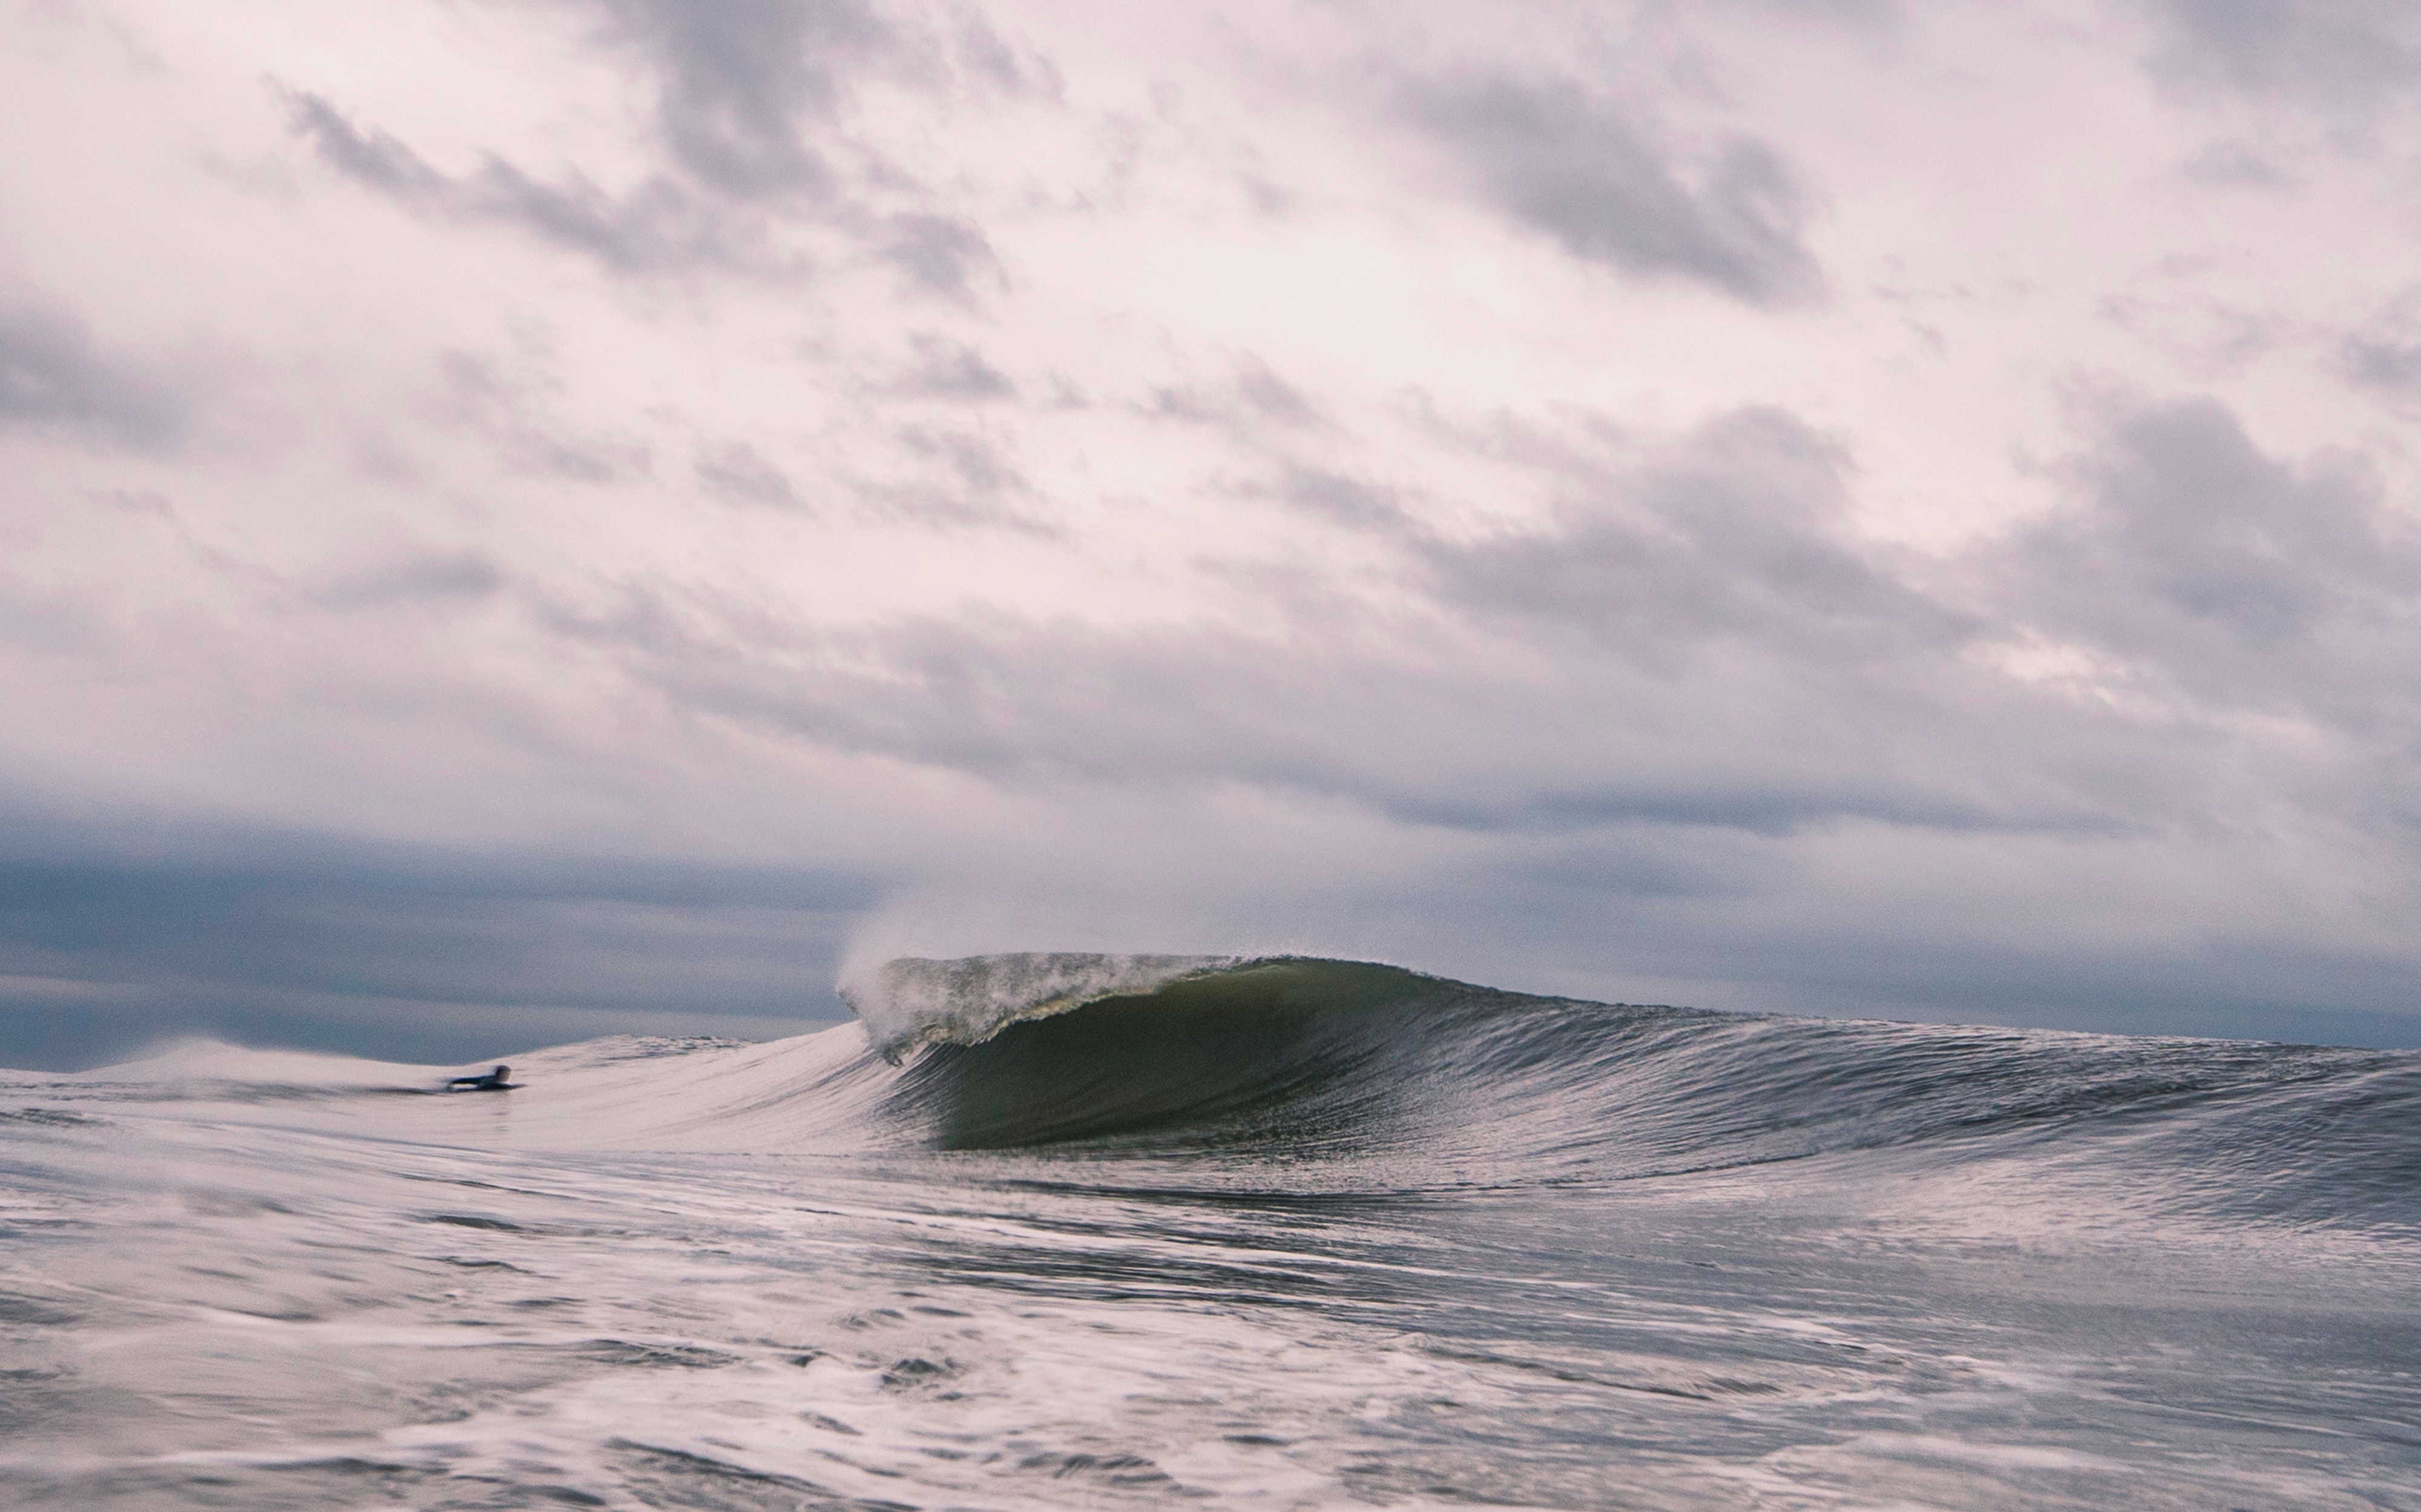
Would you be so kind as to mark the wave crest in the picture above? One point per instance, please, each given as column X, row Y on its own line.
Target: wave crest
column 914, row 1001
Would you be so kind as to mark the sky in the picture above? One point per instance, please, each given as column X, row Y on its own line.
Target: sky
column 547, row 518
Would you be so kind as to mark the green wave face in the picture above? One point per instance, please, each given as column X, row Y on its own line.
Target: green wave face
column 1285, row 1052
column 1284, row 1059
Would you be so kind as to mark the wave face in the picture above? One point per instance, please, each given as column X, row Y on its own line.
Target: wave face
column 1289, row 1057
column 1056, row 1230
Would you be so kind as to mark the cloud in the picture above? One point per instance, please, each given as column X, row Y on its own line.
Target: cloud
column 738, row 84
column 418, row 578
column 2237, row 165
column 1580, row 170
column 1252, row 401
column 412, row 957
column 2384, row 357
column 2238, row 580
column 740, row 81
column 738, row 472
column 750, row 99
column 2380, row 357
column 2388, row 366
column 1491, row 560
column 1698, row 638
column 1695, row 636
column 55, row 374
column 954, row 476
column 1354, row 503
column 939, row 254
column 34, row 617
column 661, row 225
column 2333, row 56
column 946, row 369
column 508, row 407
column 1736, row 535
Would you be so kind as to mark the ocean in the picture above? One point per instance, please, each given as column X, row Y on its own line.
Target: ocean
column 1062, row 1231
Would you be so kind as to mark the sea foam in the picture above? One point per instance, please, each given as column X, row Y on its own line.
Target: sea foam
column 913, row 1001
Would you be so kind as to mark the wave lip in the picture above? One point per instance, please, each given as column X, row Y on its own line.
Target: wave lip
column 914, row 1001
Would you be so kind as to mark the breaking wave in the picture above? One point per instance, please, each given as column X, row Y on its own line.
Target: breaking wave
column 1295, row 1057
column 914, row 1002
column 1418, row 1081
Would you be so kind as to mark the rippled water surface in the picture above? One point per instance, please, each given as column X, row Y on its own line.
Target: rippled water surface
column 1277, row 1235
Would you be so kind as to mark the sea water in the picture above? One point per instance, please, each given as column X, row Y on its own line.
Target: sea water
column 1077, row 1232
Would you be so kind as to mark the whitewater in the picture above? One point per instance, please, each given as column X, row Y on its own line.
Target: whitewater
column 1086, row 1231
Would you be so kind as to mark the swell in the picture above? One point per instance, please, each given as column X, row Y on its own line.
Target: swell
column 1292, row 1058
column 1393, row 1078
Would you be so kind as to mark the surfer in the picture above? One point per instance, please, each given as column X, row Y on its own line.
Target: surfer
column 493, row 1082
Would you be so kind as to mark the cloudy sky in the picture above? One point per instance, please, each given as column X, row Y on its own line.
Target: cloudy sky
column 539, row 518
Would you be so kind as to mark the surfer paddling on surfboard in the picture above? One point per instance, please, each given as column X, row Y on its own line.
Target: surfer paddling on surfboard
column 493, row 1082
